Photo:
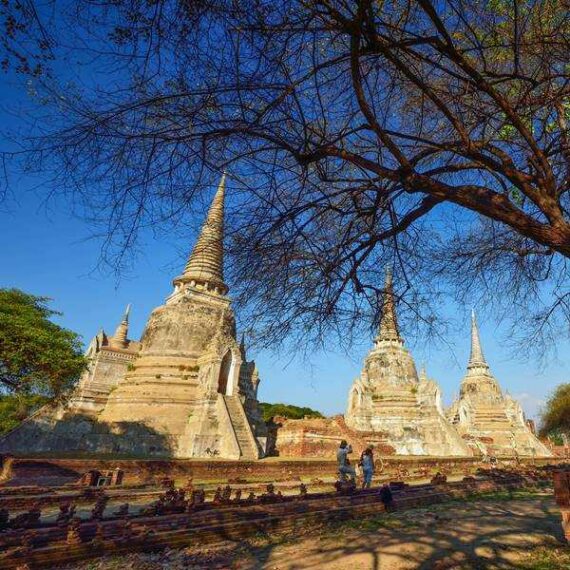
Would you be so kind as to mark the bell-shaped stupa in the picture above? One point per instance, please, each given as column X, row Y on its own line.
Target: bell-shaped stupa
column 389, row 398
column 492, row 423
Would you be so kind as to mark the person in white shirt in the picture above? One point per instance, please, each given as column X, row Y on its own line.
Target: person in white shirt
column 344, row 466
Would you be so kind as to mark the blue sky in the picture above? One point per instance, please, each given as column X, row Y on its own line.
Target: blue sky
column 45, row 250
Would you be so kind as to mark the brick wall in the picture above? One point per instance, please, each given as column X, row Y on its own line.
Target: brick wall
column 55, row 472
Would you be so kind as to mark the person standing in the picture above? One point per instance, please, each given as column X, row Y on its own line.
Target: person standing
column 344, row 466
column 367, row 464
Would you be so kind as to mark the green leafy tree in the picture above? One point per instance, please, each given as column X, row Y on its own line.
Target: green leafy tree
column 556, row 416
column 16, row 407
column 287, row 411
column 37, row 356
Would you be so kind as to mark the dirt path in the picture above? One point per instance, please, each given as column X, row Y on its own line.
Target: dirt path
column 489, row 534
column 474, row 535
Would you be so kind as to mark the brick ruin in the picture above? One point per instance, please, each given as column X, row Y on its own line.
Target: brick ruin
column 183, row 516
column 319, row 437
column 56, row 472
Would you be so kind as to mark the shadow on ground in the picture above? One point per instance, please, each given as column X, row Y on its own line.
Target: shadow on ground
column 457, row 536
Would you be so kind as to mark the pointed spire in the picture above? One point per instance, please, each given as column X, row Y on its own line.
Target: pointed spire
column 388, row 324
column 476, row 358
column 102, row 335
column 120, row 336
column 423, row 374
column 205, row 265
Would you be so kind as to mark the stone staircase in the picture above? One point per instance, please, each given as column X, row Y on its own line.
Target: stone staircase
column 241, row 427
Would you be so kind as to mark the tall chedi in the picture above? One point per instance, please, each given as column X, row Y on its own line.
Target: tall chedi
column 492, row 423
column 389, row 398
column 186, row 390
column 190, row 382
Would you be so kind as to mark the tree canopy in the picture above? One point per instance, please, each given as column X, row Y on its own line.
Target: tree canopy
column 14, row 408
column 287, row 411
column 38, row 358
column 556, row 415
column 430, row 136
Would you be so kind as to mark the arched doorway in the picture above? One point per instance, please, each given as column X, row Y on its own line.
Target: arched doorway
column 224, row 376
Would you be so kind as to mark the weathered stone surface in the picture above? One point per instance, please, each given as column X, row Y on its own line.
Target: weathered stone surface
column 186, row 390
column 110, row 358
column 492, row 423
column 389, row 398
